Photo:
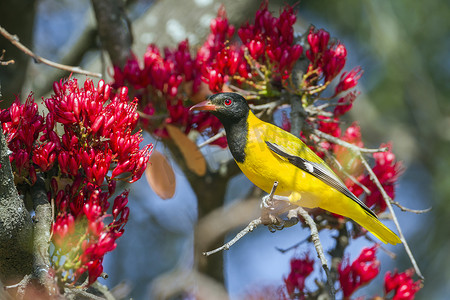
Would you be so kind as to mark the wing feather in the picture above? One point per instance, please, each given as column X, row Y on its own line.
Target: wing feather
column 320, row 171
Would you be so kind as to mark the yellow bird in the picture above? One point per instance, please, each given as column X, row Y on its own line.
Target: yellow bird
column 266, row 153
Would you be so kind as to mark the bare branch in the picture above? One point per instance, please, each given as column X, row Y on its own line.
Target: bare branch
column 384, row 249
column 316, row 241
column 213, row 138
column 5, row 63
column 270, row 105
column 352, row 147
column 388, row 201
column 416, row 211
column 250, row 227
column 15, row 41
column 295, row 246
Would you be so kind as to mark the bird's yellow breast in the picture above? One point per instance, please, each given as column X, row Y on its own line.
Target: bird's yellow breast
column 263, row 167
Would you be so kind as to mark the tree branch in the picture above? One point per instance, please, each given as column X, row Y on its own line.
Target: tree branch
column 43, row 219
column 388, row 201
column 250, row 227
column 114, row 30
column 345, row 144
column 15, row 225
column 318, row 246
column 15, row 41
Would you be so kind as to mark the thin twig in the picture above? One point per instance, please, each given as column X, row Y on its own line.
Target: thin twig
column 295, row 246
column 316, row 241
column 266, row 106
column 416, row 211
column 250, row 227
column 5, row 63
column 15, row 41
column 352, row 147
column 384, row 249
column 242, row 91
column 351, row 177
column 388, row 201
column 213, row 138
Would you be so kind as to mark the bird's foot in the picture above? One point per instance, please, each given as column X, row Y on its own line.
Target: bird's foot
column 267, row 202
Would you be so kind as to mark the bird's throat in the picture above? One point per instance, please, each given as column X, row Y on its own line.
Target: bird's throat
column 237, row 132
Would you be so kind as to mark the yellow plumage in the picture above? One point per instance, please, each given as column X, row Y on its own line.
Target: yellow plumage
column 263, row 167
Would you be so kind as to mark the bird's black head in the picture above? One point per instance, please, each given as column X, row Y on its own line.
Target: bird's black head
column 228, row 107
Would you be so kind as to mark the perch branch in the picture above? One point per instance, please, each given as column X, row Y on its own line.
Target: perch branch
column 15, row 41
column 250, row 227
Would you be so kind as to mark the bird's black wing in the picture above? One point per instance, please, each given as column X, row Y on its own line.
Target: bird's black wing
column 320, row 172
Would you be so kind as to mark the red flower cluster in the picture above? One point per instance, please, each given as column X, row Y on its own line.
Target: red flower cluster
column 158, row 84
column 327, row 60
column 402, row 284
column 300, row 269
column 97, row 138
column 22, row 125
column 163, row 81
column 270, row 40
column 97, row 131
column 353, row 276
column 216, row 60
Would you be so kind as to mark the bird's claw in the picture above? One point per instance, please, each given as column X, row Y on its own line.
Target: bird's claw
column 267, row 202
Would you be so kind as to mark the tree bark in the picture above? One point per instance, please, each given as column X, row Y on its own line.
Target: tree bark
column 16, row 259
column 114, row 30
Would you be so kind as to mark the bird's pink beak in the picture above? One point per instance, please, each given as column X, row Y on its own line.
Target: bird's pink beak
column 205, row 105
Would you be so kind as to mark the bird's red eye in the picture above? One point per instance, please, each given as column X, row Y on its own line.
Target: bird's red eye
column 228, row 102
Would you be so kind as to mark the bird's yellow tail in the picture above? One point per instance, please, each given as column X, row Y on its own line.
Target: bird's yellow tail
column 378, row 229
column 350, row 209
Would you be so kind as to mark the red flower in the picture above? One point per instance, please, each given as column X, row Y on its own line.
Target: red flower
column 300, row 269
column 344, row 104
column 273, row 37
column 348, row 80
column 402, row 284
column 44, row 156
column 365, row 268
column 22, row 125
column 95, row 269
column 63, row 226
column 327, row 59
